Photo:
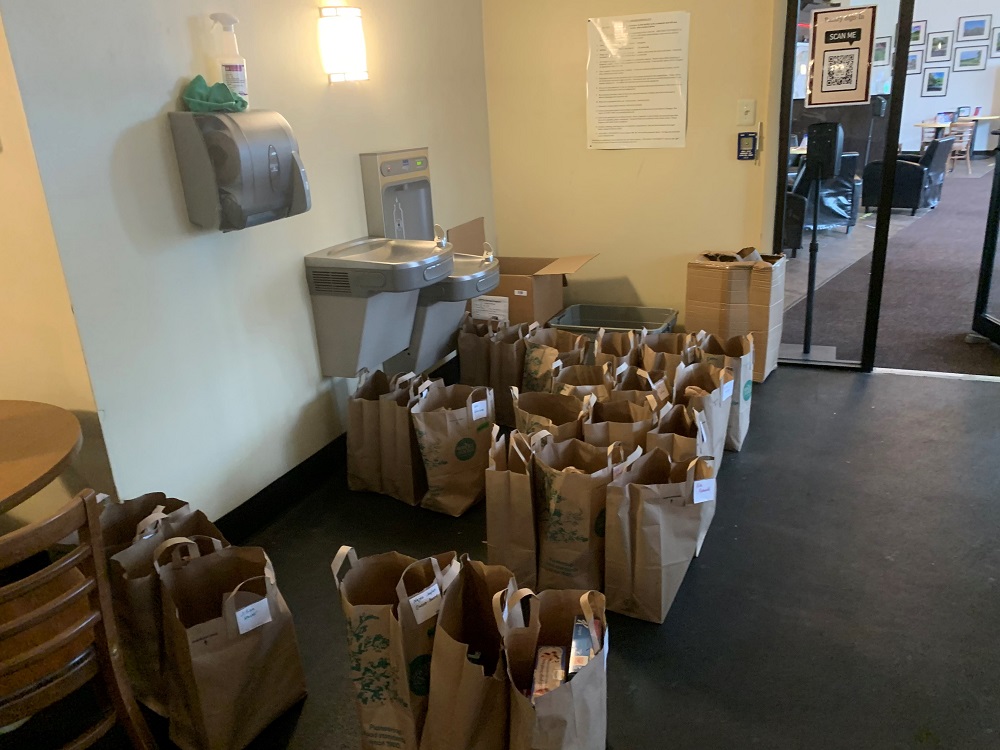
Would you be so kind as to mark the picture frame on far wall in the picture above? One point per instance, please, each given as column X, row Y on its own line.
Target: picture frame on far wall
column 974, row 28
column 964, row 112
column 995, row 43
column 939, row 46
column 935, row 82
column 915, row 62
column 881, row 52
column 918, row 34
column 971, row 58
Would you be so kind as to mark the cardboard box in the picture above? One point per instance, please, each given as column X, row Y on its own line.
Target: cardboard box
column 530, row 289
column 736, row 294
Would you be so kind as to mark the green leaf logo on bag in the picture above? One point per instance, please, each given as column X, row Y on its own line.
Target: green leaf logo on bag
column 465, row 449
column 599, row 523
column 747, row 390
column 420, row 675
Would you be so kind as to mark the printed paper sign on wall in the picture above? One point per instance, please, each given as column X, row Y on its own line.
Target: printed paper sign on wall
column 840, row 60
column 637, row 75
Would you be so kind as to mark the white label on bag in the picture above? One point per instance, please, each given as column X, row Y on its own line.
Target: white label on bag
column 704, row 491
column 253, row 616
column 557, row 365
column 490, row 307
column 520, row 292
column 623, row 367
column 661, row 391
column 727, row 390
column 479, row 410
column 426, row 603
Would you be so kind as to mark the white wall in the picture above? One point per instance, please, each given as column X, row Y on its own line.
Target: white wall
column 200, row 344
column 40, row 354
column 966, row 88
column 647, row 212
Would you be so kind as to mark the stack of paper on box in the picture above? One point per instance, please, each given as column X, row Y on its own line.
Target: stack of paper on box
column 736, row 294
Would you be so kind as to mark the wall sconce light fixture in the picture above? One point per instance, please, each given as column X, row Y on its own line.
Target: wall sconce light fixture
column 342, row 44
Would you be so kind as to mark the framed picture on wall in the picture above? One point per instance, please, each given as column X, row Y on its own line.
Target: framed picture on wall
column 974, row 28
column 880, row 52
column 939, row 46
column 971, row 58
column 918, row 34
column 935, row 82
column 914, row 62
column 964, row 112
column 995, row 43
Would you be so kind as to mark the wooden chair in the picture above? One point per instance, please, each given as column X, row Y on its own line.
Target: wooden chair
column 926, row 136
column 57, row 630
column 962, row 148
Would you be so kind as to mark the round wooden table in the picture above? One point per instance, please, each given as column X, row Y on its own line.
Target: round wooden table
column 37, row 442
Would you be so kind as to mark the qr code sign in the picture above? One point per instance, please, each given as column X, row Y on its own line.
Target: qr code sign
column 840, row 70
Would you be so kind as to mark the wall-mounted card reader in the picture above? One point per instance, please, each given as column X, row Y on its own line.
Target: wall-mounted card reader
column 746, row 146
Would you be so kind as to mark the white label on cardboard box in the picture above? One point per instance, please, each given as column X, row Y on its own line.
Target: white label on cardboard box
column 727, row 390
column 253, row 616
column 479, row 410
column 426, row 603
column 490, row 307
column 704, row 491
column 520, row 292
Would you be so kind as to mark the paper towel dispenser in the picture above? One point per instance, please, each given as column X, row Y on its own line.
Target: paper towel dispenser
column 239, row 169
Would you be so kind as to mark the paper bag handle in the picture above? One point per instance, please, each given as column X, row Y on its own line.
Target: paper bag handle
column 148, row 525
column 446, row 577
column 487, row 398
column 344, row 553
column 514, row 392
column 189, row 544
column 588, row 613
column 512, row 605
column 538, row 439
column 229, row 601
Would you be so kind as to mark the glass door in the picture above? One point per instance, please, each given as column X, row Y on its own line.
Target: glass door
column 987, row 316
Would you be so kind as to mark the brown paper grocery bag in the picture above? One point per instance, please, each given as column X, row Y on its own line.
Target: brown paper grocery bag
column 544, row 347
column 621, row 422
column 507, row 349
column 656, row 510
column 708, row 389
column 682, row 433
column 474, row 350
column 511, row 533
column 635, row 384
column 562, row 415
column 419, row 591
column 574, row 715
column 135, row 594
column 570, row 482
column 665, row 351
column 122, row 523
column 391, row 602
column 232, row 656
column 453, row 426
column 737, row 355
column 375, row 647
column 584, row 380
column 615, row 348
column 403, row 474
column 364, row 449
column 468, row 707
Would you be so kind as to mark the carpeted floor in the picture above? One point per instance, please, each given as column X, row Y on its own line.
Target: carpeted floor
column 931, row 278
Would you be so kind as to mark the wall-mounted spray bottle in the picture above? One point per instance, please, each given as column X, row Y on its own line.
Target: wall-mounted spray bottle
column 232, row 67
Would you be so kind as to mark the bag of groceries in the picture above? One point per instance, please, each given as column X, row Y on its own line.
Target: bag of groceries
column 665, row 351
column 737, row 355
column 403, row 474
column 543, row 348
column 635, row 384
column 474, row 350
column 584, row 380
column 622, row 422
column 562, row 415
column 511, row 535
column 708, row 389
column 507, row 348
column 364, row 450
column 615, row 348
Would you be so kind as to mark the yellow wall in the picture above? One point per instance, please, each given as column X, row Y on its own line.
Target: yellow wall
column 200, row 344
column 645, row 211
column 40, row 354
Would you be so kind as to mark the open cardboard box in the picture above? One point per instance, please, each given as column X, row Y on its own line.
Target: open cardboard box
column 530, row 288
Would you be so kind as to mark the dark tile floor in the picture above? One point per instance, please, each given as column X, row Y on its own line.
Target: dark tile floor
column 848, row 594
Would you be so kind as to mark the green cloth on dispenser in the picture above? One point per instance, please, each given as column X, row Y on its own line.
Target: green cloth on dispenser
column 200, row 97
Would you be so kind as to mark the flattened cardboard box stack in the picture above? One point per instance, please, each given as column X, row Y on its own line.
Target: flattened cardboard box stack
column 738, row 294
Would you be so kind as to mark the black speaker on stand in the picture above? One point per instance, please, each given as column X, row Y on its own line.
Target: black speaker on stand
column 880, row 105
column 826, row 145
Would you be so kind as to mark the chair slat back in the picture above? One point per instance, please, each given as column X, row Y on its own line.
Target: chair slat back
column 963, row 135
column 18, row 546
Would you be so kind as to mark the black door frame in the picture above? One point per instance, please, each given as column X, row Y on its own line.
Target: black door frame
column 983, row 323
column 893, row 127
